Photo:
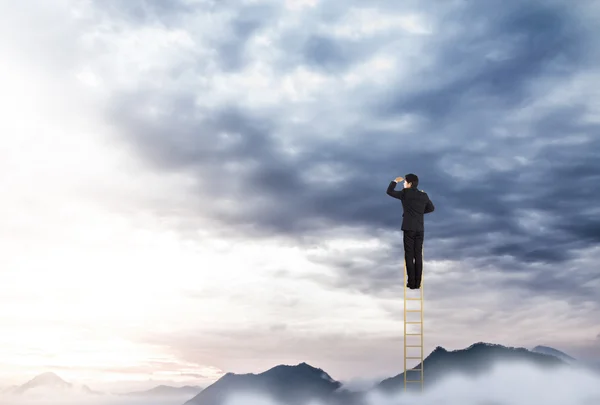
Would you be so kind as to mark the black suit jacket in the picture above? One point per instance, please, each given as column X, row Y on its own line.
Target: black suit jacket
column 415, row 204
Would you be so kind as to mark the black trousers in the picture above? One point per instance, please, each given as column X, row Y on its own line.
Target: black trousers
column 413, row 255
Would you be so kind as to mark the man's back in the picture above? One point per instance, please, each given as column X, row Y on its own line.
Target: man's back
column 415, row 204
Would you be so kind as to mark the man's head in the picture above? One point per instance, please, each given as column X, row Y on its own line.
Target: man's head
column 411, row 181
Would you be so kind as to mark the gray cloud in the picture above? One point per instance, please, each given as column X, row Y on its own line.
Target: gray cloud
column 513, row 189
column 145, row 12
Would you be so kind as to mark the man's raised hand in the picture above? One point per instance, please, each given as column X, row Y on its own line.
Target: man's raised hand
column 398, row 179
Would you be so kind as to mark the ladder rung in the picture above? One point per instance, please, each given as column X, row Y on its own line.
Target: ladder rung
column 413, row 334
column 413, row 322
column 413, row 346
column 413, row 381
column 413, row 299
column 414, row 369
column 413, row 310
column 414, row 358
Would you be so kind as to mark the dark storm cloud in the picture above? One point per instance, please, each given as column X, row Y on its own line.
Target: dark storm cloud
column 531, row 39
column 488, row 64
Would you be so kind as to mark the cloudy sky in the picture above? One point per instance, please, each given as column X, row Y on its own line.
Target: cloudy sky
column 196, row 187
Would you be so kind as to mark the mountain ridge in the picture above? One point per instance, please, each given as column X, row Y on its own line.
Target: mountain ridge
column 49, row 382
column 283, row 383
column 291, row 384
column 553, row 352
column 476, row 358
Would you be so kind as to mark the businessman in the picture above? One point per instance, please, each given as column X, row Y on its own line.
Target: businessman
column 415, row 203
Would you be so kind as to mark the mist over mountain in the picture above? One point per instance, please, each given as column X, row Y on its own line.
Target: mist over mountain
column 284, row 383
column 472, row 361
column 482, row 373
column 554, row 352
column 301, row 383
column 46, row 388
column 504, row 384
column 591, row 365
column 47, row 384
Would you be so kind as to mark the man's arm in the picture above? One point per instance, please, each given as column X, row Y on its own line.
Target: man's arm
column 395, row 193
column 429, row 207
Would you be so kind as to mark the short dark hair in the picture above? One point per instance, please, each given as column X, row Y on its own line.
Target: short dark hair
column 413, row 179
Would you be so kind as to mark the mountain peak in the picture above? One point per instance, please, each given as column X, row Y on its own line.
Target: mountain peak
column 300, row 367
column 308, row 367
column 553, row 352
column 47, row 378
column 440, row 349
column 474, row 359
column 484, row 344
column 300, row 381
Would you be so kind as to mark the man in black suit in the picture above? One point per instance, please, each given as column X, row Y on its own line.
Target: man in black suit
column 415, row 204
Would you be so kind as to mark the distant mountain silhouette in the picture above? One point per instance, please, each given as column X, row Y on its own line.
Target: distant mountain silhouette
column 167, row 390
column 50, row 383
column 585, row 364
column 476, row 359
column 553, row 352
column 301, row 383
column 284, row 384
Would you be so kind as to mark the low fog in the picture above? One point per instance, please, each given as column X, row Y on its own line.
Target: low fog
column 503, row 385
column 509, row 385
